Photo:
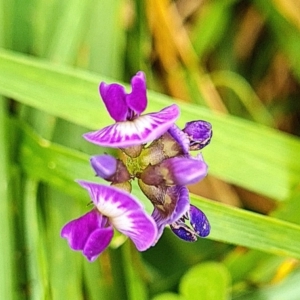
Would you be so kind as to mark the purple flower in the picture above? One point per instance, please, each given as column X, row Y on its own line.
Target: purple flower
column 114, row 208
column 131, row 128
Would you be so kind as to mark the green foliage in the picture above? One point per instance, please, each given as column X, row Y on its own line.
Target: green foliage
column 234, row 63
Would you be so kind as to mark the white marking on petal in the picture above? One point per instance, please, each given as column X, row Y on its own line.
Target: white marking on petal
column 125, row 213
column 138, row 131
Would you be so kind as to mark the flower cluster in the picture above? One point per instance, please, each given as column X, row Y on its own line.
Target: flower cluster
column 155, row 153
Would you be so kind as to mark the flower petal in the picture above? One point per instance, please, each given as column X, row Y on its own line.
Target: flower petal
column 97, row 242
column 125, row 213
column 114, row 98
column 199, row 221
column 137, row 99
column 183, row 170
column 88, row 234
column 141, row 130
column 176, row 205
column 78, row 231
column 180, row 137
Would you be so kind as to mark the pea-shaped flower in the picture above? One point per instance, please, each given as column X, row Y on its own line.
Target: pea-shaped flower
column 114, row 208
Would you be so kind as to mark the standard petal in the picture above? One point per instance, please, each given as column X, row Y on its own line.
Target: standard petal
column 78, row 231
column 137, row 99
column 125, row 213
column 199, row 221
column 141, row 130
column 97, row 242
column 114, row 98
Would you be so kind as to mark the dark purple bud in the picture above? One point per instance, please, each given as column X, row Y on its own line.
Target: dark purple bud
column 199, row 133
column 199, row 221
column 183, row 232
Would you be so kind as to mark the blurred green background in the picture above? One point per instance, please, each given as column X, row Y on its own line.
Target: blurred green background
column 235, row 63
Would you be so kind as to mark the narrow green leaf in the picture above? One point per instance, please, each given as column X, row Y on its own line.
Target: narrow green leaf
column 95, row 281
column 244, row 153
column 107, row 45
column 246, row 95
column 211, row 25
column 241, row 227
column 65, row 266
column 36, row 260
column 135, row 286
column 71, row 27
column 285, row 32
column 7, row 284
column 59, row 166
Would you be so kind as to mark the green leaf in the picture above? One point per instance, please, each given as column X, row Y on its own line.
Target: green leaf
column 168, row 296
column 284, row 31
column 209, row 281
column 38, row 277
column 7, row 230
column 59, row 166
column 241, row 227
column 253, row 156
column 133, row 269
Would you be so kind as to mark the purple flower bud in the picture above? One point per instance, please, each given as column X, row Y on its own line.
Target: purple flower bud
column 199, row 133
column 175, row 171
column 110, row 168
column 183, row 170
column 104, row 165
